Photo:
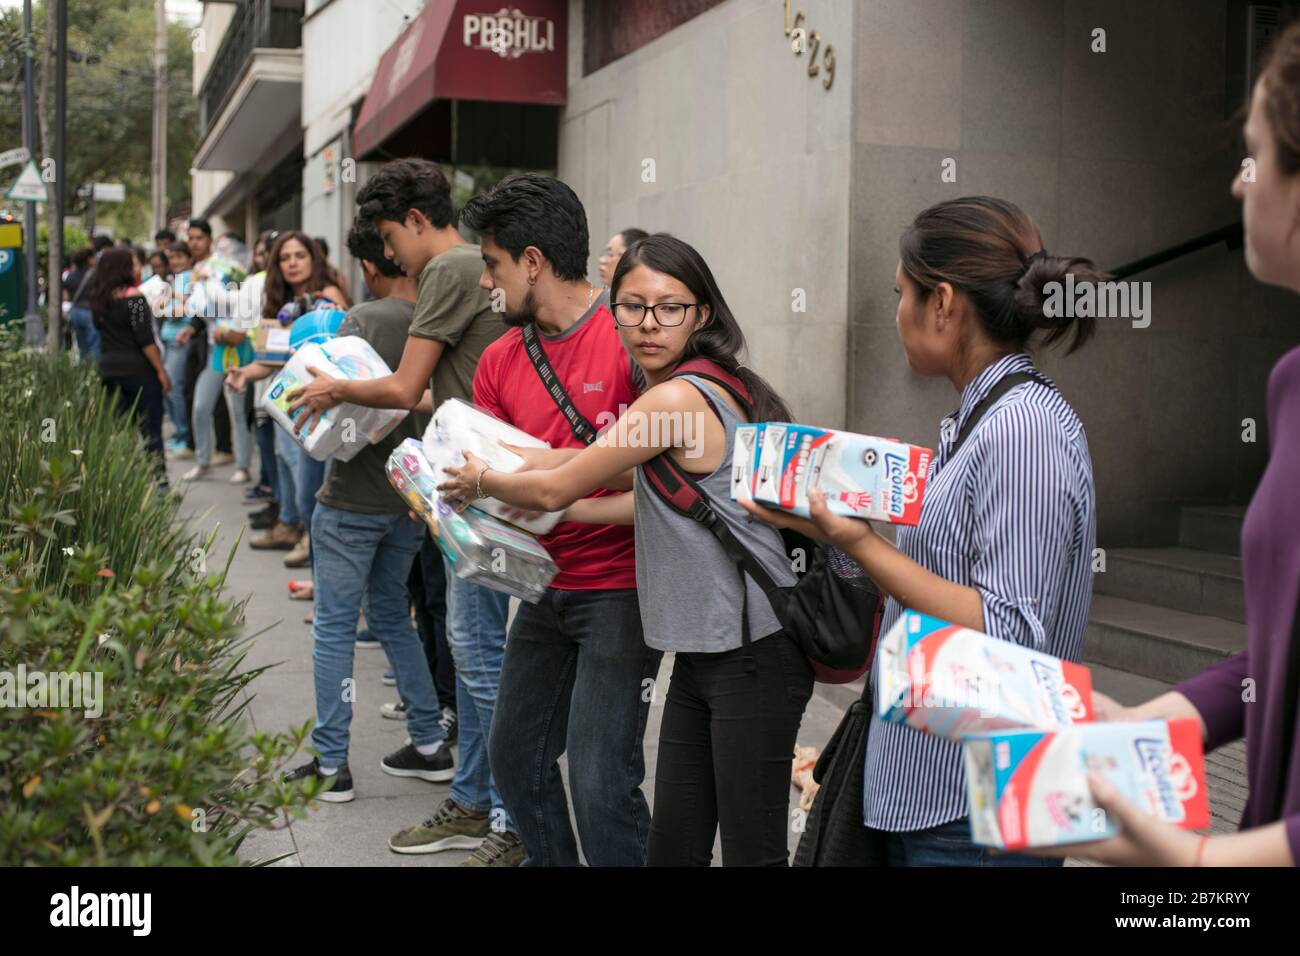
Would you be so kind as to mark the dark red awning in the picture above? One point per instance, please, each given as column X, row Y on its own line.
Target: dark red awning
column 467, row 50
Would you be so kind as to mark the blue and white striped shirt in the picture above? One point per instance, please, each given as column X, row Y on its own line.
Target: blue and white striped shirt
column 1013, row 516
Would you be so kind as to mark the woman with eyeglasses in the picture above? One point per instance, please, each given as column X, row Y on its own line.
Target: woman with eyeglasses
column 732, row 710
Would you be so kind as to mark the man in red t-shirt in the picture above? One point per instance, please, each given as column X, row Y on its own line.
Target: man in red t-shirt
column 576, row 669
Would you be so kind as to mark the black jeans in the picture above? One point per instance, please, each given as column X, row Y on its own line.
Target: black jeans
column 145, row 393
column 725, row 750
column 428, row 586
column 576, row 678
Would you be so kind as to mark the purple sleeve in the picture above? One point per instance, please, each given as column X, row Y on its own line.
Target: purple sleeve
column 1292, row 824
column 1216, row 693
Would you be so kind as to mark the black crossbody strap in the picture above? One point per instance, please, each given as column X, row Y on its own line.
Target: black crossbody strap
column 580, row 427
column 1004, row 385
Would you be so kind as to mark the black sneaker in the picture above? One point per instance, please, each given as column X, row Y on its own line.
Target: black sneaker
column 338, row 786
column 449, row 723
column 265, row 518
column 409, row 762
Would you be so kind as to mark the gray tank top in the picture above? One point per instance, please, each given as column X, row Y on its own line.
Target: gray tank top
column 690, row 591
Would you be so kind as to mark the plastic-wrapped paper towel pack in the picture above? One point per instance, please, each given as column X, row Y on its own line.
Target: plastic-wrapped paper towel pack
column 481, row 548
column 458, row 425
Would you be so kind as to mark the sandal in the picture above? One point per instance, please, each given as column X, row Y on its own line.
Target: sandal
column 301, row 591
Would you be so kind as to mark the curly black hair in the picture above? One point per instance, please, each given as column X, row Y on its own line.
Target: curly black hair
column 365, row 244
column 403, row 185
column 534, row 210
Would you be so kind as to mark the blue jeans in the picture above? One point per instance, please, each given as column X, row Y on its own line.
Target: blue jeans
column 359, row 556
column 950, row 845
column 208, row 390
column 174, row 358
column 576, row 677
column 309, row 476
column 286, row 467
column 83, row 327
column 476, row 632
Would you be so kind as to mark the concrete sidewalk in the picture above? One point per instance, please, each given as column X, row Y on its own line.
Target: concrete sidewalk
column 356, row 834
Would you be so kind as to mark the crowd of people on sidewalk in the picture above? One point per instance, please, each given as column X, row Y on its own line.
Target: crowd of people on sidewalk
column 459, row 304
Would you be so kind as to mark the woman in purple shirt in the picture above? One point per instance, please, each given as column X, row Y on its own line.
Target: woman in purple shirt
column 1254, row 693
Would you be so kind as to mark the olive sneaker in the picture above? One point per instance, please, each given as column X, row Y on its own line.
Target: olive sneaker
column 499, row 849
column 450, row 828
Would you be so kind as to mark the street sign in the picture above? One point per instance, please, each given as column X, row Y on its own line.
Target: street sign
column 104, row 192
column 12, row 157
column 28, row 187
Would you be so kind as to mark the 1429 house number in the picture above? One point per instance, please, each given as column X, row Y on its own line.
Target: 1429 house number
column 810, row 41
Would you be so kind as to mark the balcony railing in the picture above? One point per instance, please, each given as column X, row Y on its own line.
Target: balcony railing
column 276, row 24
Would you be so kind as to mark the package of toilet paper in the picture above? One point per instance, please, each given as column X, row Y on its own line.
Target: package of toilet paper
column 458, row 425
column 345, row 429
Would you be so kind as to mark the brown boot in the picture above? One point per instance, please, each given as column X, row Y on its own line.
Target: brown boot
column 300, row 556
column 282, row 537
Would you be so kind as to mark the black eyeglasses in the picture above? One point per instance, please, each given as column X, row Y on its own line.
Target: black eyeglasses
column 631, row 314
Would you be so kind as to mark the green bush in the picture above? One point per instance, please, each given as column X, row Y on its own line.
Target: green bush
column 98, row 575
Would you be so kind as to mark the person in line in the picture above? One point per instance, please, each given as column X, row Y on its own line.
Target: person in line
column 1005, row 541
column 1269, row 833
column 76, row 289
column 735, row 700
column 163, row 240
column 130, row 360
column 365, row 546
column 409, row 201
column 576, row 667
column 296, row 282
column 207, row 292
column 176, row 353
column 618, row 244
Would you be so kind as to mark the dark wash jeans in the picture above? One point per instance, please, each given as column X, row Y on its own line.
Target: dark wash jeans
column 949, row 845
column 576, row 678
column 725, row 746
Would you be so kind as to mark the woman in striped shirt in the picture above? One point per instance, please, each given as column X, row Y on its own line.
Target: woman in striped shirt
column 1006, row 536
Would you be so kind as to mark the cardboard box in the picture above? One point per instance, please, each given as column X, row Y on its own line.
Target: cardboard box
column 949, row 681
column 271, row 342
column 879, row 479
column 1029, row 788
column 744, row 460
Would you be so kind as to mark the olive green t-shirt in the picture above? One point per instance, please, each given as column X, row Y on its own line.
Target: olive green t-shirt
column 362, row 483
column 453, row 310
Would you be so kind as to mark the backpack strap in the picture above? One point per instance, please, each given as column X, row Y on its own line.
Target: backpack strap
column 1004, row 385
column 581, row 428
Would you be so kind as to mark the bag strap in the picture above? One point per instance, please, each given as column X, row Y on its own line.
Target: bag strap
column 579, row 425
column 90, row 274
column 1004, row 385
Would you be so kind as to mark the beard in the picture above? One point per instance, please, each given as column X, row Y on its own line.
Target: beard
column 526, row 313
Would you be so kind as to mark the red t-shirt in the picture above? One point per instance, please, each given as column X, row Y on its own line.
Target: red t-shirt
column 596, row 371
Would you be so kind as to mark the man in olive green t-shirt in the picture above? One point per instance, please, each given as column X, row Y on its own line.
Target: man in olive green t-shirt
column 409, row 202
column 454, row 320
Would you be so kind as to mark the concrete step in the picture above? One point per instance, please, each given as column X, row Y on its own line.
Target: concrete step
column 1211, row 527
column 1199, row 582
column 1157, row 642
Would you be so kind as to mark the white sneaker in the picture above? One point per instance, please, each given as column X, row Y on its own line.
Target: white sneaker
column 240, row 477
column 195, row 473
